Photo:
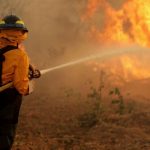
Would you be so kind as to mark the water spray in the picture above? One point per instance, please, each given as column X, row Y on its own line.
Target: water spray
column 100, row 56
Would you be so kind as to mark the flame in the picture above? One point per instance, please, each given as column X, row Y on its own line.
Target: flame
column 131, row 68
column 128, row 24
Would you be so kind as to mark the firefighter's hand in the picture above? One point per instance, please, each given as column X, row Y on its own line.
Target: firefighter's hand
column 33, row 73
column 36, row 73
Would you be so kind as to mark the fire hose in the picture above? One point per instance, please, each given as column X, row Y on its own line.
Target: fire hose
column 32, row 74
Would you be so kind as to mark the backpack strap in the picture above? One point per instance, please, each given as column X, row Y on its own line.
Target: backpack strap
column 2, row 58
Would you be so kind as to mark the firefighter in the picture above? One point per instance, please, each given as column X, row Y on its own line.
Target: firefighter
column 14, row 67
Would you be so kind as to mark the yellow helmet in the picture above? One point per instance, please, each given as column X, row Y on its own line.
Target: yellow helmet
column 12, row 22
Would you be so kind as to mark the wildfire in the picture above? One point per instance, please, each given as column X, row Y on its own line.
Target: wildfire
column 130, row 23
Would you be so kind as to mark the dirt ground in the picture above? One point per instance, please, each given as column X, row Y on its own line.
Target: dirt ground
column 64, row 123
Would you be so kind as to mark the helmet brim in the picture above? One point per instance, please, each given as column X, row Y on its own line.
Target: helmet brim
column 13, row 26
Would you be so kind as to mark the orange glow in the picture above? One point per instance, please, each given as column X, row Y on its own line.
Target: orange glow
column 128, row 24
column 133, row 69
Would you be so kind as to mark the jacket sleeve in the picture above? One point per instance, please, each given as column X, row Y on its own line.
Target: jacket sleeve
column 21, row 81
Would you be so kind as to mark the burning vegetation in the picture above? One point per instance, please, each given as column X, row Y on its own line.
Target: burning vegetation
column 126, row 25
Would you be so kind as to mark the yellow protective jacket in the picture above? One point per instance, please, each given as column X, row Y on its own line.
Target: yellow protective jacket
column 16, row 65
column 15, row 69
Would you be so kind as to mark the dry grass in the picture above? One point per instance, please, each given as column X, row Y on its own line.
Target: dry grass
column 52, row 123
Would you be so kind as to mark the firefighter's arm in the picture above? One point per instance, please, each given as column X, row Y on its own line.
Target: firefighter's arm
column 33, row 73
column 21, row 80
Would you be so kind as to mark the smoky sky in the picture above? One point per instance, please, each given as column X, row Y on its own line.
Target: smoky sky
column 116, row 4
column 55, row 27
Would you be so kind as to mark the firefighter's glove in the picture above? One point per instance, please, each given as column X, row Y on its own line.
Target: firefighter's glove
column 33, row 73
column 36, row 73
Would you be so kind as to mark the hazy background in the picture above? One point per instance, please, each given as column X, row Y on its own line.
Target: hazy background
column 57, row 35
column 55, row 27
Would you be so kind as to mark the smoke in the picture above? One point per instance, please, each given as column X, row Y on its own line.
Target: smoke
column 54, row 26
column 55, row 29
column 56, row 32
column 117, row 4
column 12, row 7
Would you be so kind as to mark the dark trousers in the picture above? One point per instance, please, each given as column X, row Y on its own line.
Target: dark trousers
column 10, row 102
